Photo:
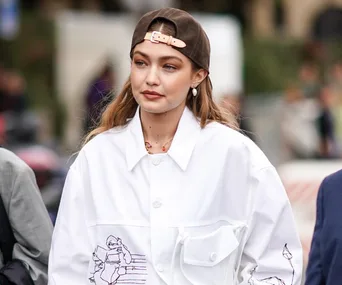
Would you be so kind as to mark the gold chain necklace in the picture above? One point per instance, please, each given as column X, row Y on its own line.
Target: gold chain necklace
column 148, row 146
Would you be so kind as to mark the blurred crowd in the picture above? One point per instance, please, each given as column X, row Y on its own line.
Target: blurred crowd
column 12, row 91
column 19, row 132
column 312, row 117
column 13, row 100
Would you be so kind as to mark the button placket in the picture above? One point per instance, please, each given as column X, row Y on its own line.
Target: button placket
column 156, row 184
column 158, row 214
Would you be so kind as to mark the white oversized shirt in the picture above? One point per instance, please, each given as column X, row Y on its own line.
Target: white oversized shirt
column 212, row 210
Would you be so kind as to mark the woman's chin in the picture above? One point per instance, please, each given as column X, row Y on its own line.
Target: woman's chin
column 153, row 108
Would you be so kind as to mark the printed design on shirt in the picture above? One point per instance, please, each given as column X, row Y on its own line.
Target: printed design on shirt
column 274, row 280
column 115, row 264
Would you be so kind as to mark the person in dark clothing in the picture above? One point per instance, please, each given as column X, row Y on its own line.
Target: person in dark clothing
column 98, row 96
column 12, row 92
column 325, row 258
column 326, row 125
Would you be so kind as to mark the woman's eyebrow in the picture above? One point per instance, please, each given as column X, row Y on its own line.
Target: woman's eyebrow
column 171, row 57
column 163, row 58
column 140, row 53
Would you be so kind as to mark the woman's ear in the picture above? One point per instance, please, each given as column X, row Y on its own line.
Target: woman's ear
column 199, row 76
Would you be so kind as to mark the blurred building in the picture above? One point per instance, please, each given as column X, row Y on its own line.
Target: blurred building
column 263, row 18
column 294, row 19
column 50, row 7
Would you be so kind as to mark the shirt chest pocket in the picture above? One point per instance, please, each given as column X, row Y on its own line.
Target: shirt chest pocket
column 210, row 258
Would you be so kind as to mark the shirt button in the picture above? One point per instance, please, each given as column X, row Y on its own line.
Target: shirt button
column 160, row 268
column 157, row 204
column 213, row 256
column 156, row 161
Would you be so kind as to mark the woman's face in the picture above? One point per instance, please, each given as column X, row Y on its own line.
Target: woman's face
column 161, row 77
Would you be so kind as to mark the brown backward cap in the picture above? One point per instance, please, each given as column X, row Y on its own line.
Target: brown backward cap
column 188, row 30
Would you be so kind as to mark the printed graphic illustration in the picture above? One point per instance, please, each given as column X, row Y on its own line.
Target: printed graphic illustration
column 116, row 265
column 274, row 280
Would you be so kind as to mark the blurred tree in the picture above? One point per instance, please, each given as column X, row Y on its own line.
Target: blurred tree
column 270, row 64
column 32, row 54
column 30, row 4
column 111, row 6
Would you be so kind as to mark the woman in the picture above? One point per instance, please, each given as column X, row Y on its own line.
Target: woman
column 189, row 199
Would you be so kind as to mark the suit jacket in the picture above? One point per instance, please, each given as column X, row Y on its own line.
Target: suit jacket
column 325, row 258
column 27, row 214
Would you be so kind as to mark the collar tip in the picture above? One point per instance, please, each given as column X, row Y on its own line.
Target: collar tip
column 183, row 166
column 130, row 166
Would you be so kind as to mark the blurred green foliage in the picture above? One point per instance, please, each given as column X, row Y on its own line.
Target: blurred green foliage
column 32, row 54
column 270, row 64
column 273, row 64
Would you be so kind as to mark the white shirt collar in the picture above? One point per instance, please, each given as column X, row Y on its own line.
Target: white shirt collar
column 182, row 145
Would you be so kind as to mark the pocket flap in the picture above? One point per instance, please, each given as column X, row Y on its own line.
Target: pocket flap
column 209, row 250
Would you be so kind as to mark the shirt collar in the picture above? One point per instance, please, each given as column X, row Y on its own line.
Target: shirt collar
column 182, row 145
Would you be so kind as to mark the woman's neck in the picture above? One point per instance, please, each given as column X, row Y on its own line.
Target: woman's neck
column 159, row 129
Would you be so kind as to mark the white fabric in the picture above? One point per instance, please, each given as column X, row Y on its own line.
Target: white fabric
column 212, row 210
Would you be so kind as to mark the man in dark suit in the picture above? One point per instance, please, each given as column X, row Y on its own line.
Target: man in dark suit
column 325, row 258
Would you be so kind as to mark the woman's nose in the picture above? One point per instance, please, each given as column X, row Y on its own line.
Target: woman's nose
column 152, row 77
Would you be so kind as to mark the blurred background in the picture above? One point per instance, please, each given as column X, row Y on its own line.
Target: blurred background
column 277, row 64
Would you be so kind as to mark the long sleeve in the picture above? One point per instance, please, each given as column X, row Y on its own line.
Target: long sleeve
column 69, row 260
column 29, row 219
column 314, row 274
column 272, row 253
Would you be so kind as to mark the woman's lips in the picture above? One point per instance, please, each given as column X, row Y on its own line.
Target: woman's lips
column 152, row 95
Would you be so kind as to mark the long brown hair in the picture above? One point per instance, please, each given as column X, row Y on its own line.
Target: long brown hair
column 124, row 106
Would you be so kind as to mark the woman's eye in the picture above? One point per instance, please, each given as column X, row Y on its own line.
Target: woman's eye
column 170, row 67
column 139, row 63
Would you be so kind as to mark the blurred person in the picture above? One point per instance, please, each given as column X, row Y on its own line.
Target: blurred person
column 98, row 95
column 235, row 104
column 335, row 75
column 25, row 229
column 166, row 190
column 309, row 79
column 13, row 92
column 2, row 92
column 298, row 127
column 325, row 258
column 326, row 124
column 335, row 84
column 2, row 77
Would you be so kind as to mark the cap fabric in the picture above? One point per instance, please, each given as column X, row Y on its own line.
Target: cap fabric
column 188, row 30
